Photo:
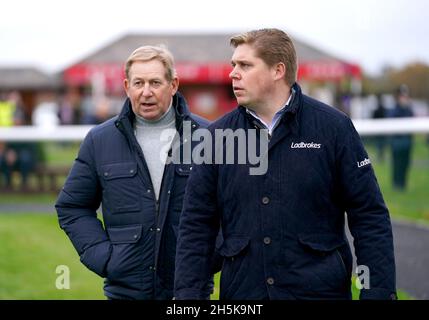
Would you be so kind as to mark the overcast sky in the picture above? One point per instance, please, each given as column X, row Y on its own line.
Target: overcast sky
column 373, row 33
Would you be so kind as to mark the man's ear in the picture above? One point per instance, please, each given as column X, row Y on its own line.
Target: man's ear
column 279, row 71
column 175, row 86
column 126, row 86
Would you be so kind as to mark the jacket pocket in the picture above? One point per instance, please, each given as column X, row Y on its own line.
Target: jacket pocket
column 324, row 259
column 321, row 242
column 124, row 265
column 232, row 246
column 124, row 234
column 119, row 170
column 234, row 268
column 122, row 187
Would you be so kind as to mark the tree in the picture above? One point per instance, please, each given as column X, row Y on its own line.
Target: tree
column 416, row 77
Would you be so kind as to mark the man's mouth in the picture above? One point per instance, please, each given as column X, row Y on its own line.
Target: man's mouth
column 148, row 104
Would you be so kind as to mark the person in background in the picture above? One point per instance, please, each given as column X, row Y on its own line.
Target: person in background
column 380, row 140
column 22, row 156
column 100, row 113
column 401, row 144
column 69, row 108
column 7, row 111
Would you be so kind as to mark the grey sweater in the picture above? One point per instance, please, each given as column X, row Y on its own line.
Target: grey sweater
column 148, row 134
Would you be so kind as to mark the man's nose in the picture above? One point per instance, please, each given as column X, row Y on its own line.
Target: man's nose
column 147, row 91
column 234, row 74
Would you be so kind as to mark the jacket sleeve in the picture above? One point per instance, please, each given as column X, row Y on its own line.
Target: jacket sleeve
column 198, row 229
column 76, row 208
column 367, row 215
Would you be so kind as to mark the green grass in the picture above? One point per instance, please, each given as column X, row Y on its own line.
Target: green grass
column 16, row 198
column 413, row 203
column 60, row 153
column 32, row 246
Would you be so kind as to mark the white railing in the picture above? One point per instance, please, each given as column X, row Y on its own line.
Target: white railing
column 49, row 133
column 367, row 127
column 78, row 132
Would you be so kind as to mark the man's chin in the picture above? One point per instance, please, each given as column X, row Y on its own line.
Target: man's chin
column 241, row 101
column 150, row 116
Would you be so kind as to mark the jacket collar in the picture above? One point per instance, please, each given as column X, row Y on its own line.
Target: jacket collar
column 181, row 106
column 295, row 104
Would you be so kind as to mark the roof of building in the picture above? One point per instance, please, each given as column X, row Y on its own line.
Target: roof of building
column 12, row 78
column 190, row 47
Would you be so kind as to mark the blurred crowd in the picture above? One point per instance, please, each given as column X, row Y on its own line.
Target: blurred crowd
column 66, row 107
column 400, row 144
column 15, row 156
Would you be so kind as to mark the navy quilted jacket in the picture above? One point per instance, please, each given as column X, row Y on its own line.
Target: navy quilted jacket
column 135, row 248
column 283, row 230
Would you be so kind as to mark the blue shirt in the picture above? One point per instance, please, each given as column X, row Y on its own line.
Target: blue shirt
column 271, row 126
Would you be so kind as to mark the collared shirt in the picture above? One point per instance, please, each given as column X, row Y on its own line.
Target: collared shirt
column 271, row 126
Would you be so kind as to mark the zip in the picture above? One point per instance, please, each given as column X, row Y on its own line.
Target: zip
column 157, row 208
column 343, row 265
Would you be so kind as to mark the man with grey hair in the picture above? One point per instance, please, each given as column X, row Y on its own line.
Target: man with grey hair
column 123, row 165
column 283, row 231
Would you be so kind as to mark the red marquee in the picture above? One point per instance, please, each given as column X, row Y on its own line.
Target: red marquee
column 207, row 73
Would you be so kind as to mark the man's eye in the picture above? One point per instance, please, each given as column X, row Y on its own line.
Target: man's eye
column 137, row 83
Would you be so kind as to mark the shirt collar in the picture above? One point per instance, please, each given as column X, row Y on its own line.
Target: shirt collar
column 276, row 117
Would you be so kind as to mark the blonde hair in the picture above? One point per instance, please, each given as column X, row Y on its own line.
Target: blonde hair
column 148, row 53
column 272, row 46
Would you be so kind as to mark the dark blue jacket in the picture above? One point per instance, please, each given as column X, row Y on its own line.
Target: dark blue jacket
column 135, row 249
column 283, row 231
column 401, row 141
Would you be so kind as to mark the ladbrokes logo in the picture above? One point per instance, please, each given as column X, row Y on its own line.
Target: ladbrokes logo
column 364, row 162
column 304, row 145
